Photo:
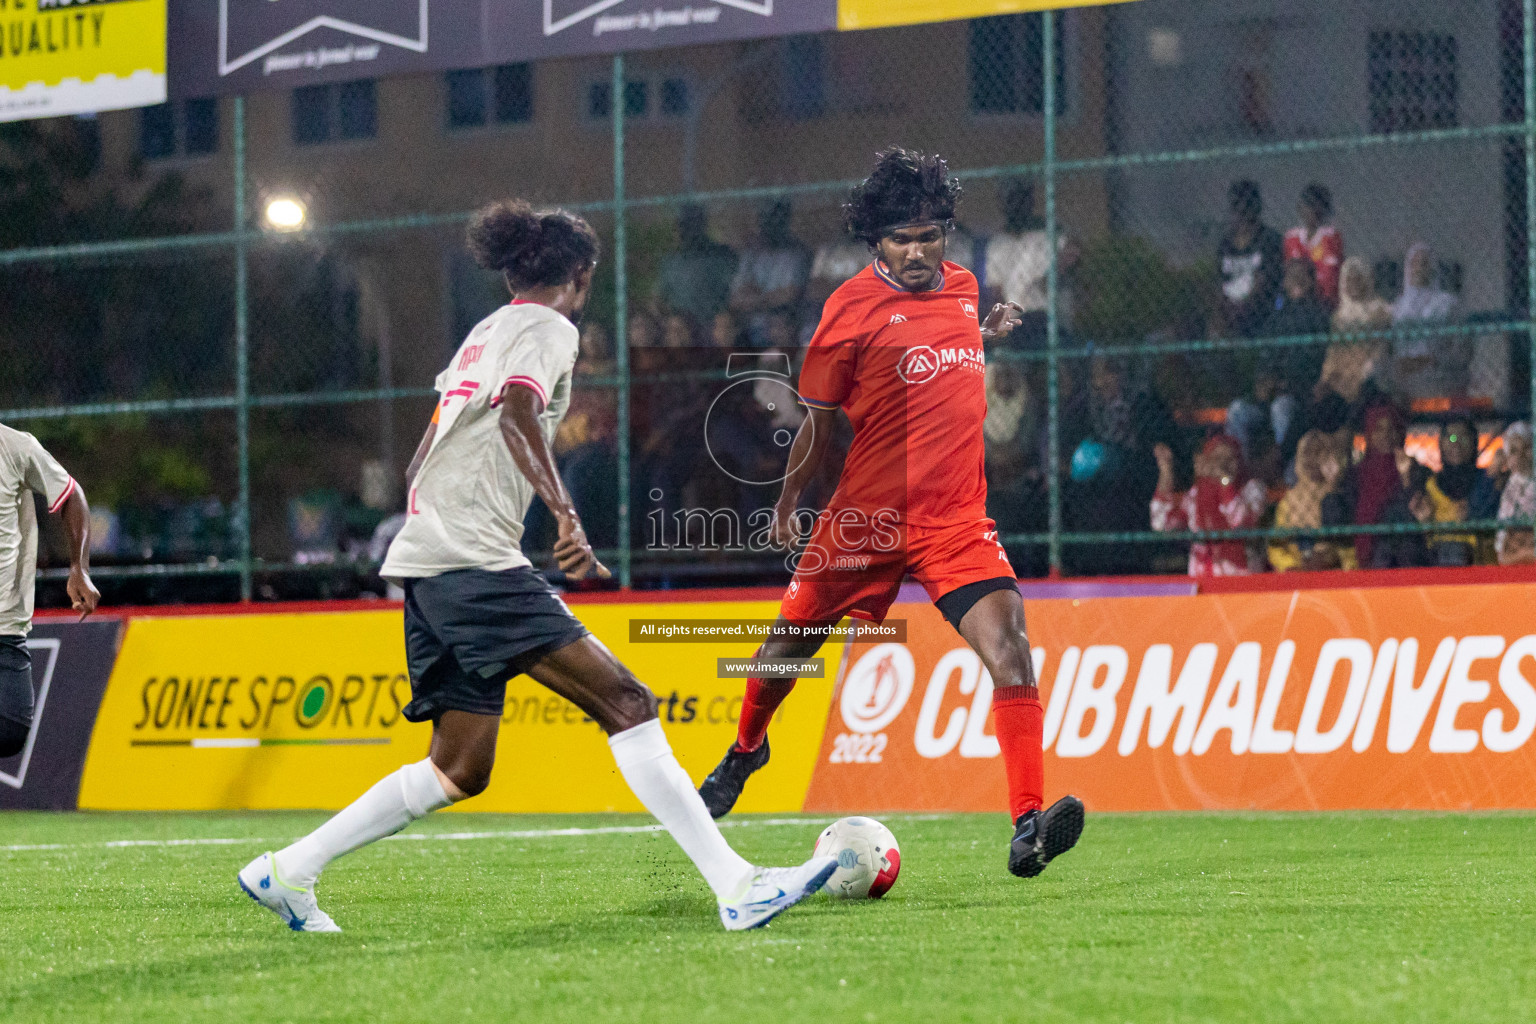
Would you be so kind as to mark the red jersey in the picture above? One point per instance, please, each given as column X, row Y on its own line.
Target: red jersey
column 909, row 370
column 1325, row 248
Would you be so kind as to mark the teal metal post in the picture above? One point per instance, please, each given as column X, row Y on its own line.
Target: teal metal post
column 242, row 357
column 1052, row 285
column 1530, row 193
column 621, row 318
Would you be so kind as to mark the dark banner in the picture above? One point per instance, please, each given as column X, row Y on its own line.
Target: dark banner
column 239, row 46
column 71, row 663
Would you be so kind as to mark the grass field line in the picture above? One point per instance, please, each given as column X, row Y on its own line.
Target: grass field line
column 429, row 837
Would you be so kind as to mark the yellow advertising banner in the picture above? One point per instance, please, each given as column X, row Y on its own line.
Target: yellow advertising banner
column 79, row 56
column 303, row 710
column 856, row 14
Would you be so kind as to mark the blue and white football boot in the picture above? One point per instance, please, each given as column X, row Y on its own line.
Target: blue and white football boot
column 296, row 907
column 771, row 891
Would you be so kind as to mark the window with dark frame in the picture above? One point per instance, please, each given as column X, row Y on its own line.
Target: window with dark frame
column 179, row 128
column 1007, row 65
column 481, row 96
column 331, row 113
column 1412, row 80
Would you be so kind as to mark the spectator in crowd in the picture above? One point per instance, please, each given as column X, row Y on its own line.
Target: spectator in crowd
column 770, row 279
column 1223, row 497
column 1108, row 429
column 1426, row 367
column 679, row 331
column 1457, row 493
column 1379, row 477
column 1317, row 241
column 1360, row 309
column 1299, row 312
column 1313, row 501
column 1514, row 545
column 1349, row 381
column 1421, row 300
column 1268, row 418
column 1016, row 264
column 695, row 278
column 834, row 263
column 724, row 330
column 1409, row 507
column 1250, row 259
column 1010, row 429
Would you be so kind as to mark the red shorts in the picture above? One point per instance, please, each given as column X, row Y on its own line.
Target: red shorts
column 846, row 571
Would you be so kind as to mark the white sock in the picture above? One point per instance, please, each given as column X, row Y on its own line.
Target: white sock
column 645, row 759
column 394, row 802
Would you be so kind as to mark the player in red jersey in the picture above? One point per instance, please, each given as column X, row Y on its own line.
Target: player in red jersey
column 899, row 348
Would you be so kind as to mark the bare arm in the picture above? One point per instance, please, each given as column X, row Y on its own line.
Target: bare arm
column 76, row 513
column 519, row 421
column 805, row 456
column 421, row 453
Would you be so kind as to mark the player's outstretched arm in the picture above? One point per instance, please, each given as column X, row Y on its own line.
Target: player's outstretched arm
column 805, row 457
column 525, row 439
column 76, row 513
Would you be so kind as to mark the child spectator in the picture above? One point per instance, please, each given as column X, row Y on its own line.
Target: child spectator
column 1249, row 258
column 1222, row 498
column 1518, row 502
column 1313, row 501
column 1317, row 241
column 1421, row 300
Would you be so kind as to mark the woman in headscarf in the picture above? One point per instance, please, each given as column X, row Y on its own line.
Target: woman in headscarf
column 1352, row 369
column 1421, row 300
column 1378, row 477
column 1359, row 307
column 1223, row 498
column 1518, row 502
column 1455, row 490
column 1429, row 366
column 1313, row 502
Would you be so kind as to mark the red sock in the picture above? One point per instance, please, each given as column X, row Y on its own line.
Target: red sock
column 1020, row 723
column 762, row 699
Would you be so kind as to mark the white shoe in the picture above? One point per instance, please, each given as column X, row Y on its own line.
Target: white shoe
column 297, row 907
column 770, row 891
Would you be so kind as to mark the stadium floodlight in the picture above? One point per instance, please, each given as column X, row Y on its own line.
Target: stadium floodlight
column 286, row 213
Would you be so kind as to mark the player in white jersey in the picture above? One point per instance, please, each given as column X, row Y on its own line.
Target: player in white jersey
column 26, row 469
column 476, row 611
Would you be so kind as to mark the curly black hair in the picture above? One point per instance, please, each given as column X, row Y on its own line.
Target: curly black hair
column 905, row 186
column 532, row 248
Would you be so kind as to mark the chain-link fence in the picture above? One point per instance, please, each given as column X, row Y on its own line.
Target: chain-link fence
column 1273, row 262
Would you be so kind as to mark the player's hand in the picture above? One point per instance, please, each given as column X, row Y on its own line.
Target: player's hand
column 1005, row 316
column 1164, row 456
column 83, row 595
column 574, row 554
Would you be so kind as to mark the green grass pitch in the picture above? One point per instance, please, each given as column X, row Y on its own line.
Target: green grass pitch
column 1198, row 917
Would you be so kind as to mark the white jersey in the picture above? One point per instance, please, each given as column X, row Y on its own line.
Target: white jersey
column 466, row 506
column 25, row 469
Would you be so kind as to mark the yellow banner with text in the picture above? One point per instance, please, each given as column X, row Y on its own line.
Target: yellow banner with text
column 304, row 710
column 61, row 57
column 857, row 14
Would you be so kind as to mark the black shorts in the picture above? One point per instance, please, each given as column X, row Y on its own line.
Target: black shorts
column 15, row 680
column 469, row 631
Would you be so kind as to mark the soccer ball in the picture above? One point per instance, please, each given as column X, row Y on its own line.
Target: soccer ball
column 868, row 858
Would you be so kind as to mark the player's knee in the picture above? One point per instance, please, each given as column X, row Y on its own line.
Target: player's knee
column 633, row 704
column 471, row 779
column 13, row 737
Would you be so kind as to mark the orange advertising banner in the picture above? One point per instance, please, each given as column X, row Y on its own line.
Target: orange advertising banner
column 1405, row 697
